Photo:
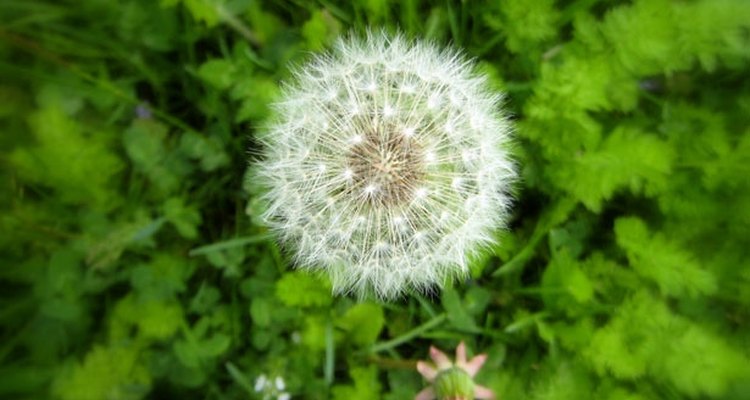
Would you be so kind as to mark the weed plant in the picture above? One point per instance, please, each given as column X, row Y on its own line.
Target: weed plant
column 134, row 264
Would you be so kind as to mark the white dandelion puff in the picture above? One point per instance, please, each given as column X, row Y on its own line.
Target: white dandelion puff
column 387, row 165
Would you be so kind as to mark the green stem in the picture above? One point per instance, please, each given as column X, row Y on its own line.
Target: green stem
column 235, row 23
column 555, row 215
column 239, row 377
column 330, row 353
column 409, row 335
column 228, row 244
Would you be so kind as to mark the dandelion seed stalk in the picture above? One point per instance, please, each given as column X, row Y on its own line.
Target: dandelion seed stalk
column 387, row 165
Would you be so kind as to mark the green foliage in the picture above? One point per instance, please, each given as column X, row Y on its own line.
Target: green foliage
column 145, row 144
column 154, row 320
column 678, row 34
column 105, row 373
column 218, row 73
column 80, row 168
column 645, row 338
column 362, row 323
column 655, row 258
column 457, row 313
column 185, row 219
column 207, row 11
column 626, row 159
column 564, row 275
column 365, row 387
column 304, row 290
column 134, row 266
column 528, row 24
column 320, row 29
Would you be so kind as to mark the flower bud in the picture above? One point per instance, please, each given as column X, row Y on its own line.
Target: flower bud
column 452, row 380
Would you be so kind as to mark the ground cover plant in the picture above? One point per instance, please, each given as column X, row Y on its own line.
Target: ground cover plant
column 135, row 265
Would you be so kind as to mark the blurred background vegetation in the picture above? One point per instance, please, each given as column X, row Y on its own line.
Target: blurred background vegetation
column 133, row 266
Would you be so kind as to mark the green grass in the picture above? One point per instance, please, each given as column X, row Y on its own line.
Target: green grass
column 133, row 264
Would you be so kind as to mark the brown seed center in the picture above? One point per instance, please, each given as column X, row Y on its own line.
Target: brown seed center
column 386, row 166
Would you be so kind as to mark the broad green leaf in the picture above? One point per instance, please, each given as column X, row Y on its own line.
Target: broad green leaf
column 209, row 150
column 266, row 25
column 299, row 289
column 205, row 300
column 154, row 319
column 375, row 10
column 314, row 333
column 185, row 219
column 114, row 372
column 219, row 73
column 162, row 278
column 320, row 29
column 195, row 352
column 477, row 300
column 230, row 260
column 365, row 387
column 207, row 11
column 158, row 320
column 256, row 93
column 260, row 311
column 362, row 323
column 454, row 309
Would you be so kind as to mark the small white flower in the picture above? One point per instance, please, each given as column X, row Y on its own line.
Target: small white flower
column 271, row 389
column 387, row 165
column 279, row 382
column 260, row 383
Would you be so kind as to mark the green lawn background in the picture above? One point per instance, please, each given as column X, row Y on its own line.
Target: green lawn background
column 133, row 265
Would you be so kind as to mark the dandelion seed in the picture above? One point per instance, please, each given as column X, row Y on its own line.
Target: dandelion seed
column 388, row 111
column 407, row 157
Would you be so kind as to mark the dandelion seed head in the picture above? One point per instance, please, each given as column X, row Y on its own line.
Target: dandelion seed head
column 387, row 165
